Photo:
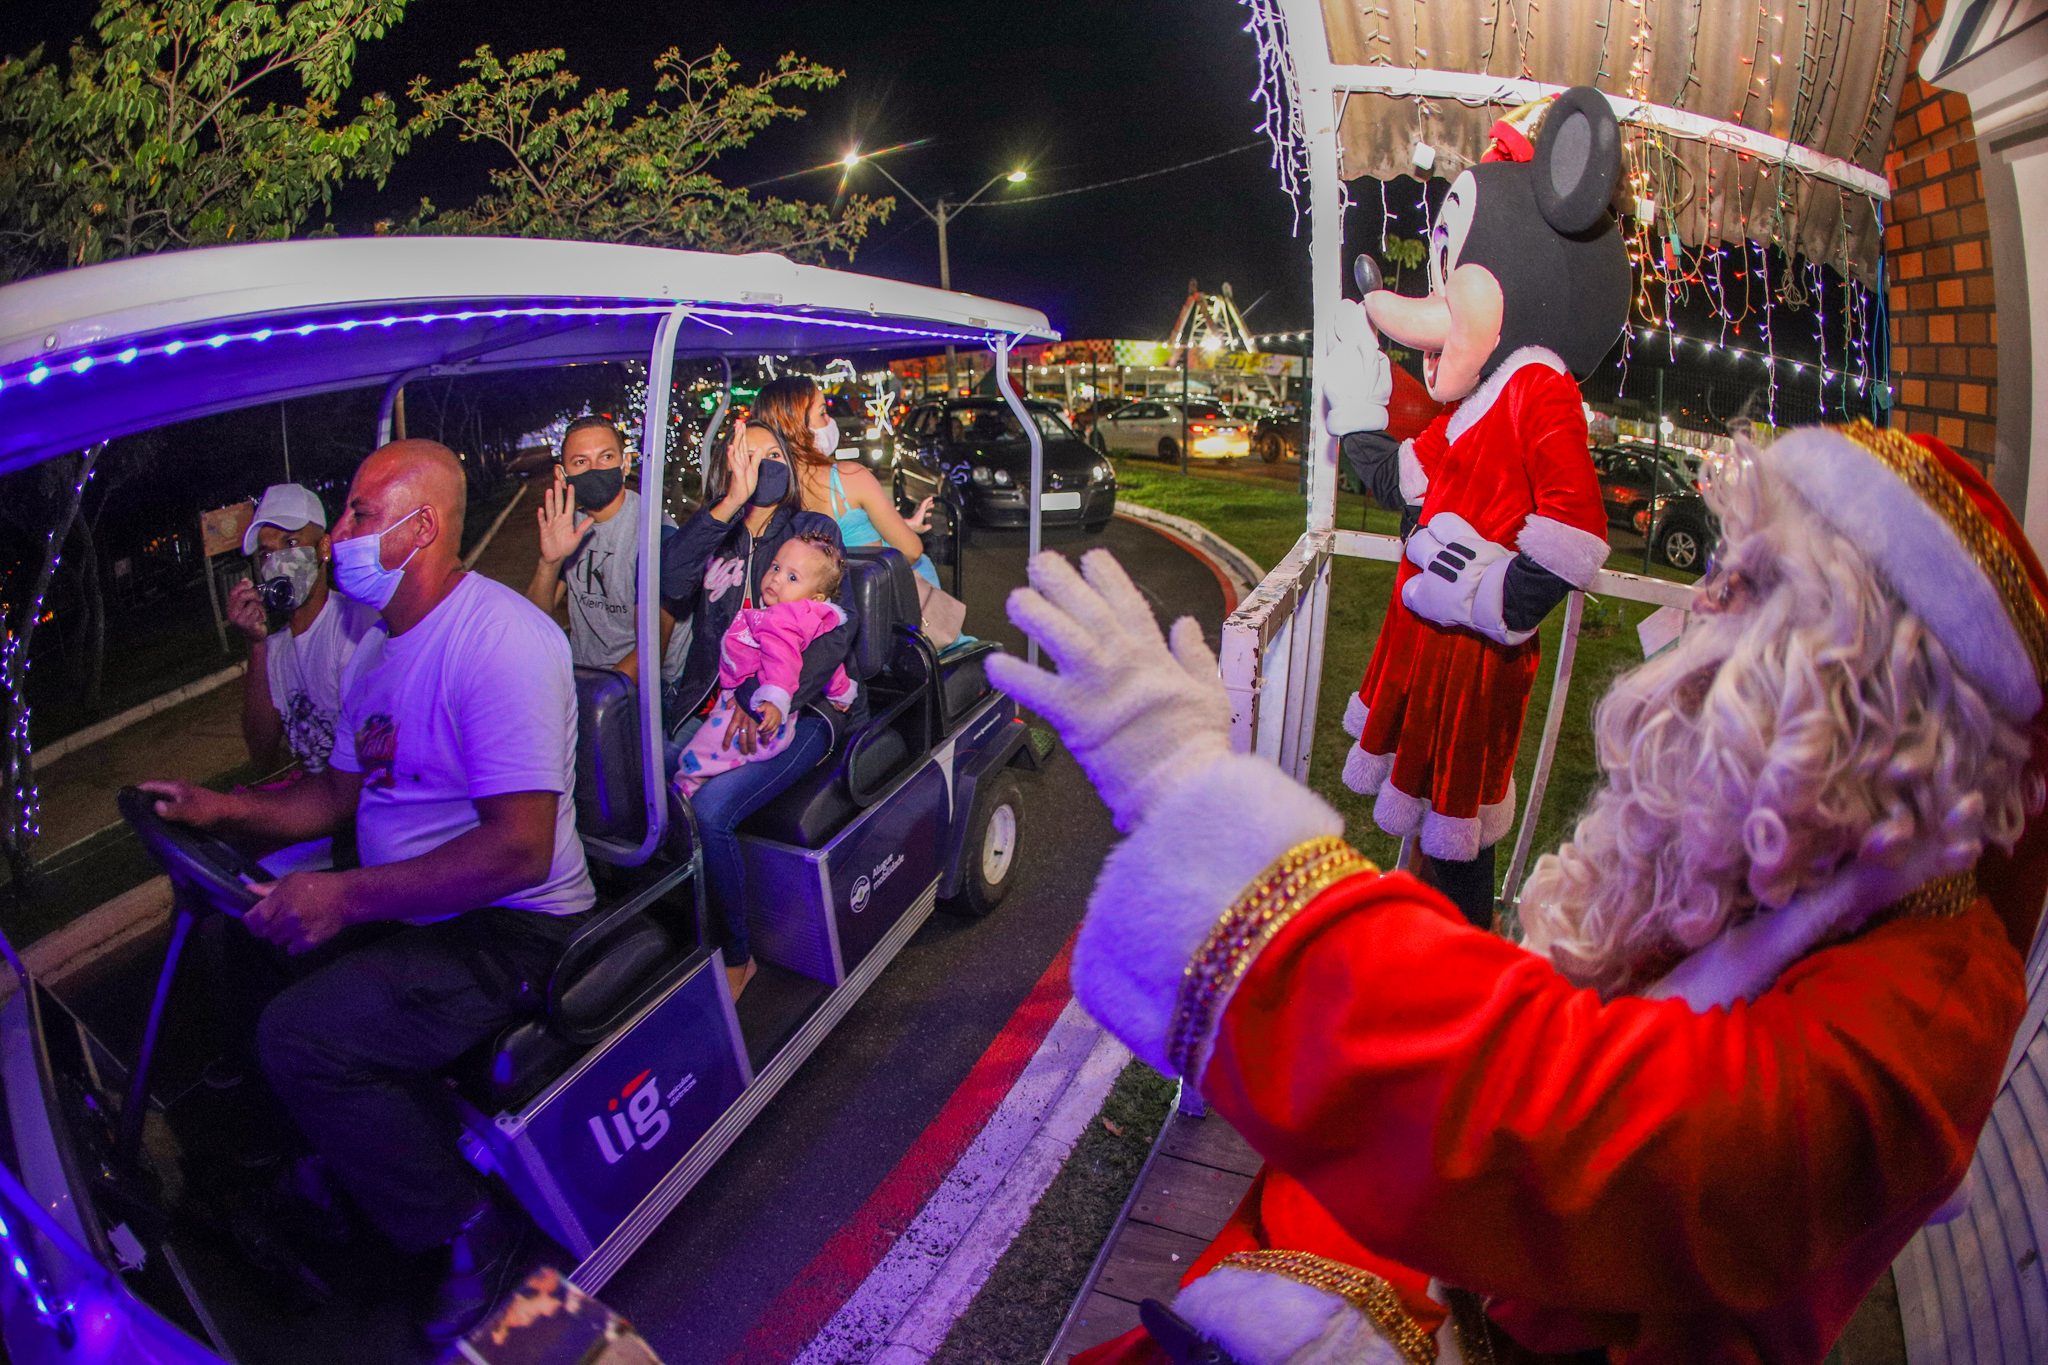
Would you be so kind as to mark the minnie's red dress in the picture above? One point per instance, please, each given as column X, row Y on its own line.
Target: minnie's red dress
column 1439, row 715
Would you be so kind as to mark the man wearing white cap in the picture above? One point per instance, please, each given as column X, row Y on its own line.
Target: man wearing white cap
column 292, row 690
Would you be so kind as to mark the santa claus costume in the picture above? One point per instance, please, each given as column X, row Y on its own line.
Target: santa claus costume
column 1716, row 1175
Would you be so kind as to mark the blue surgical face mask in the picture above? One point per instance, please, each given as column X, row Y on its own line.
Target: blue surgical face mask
column 771, row 483
column 359, row 572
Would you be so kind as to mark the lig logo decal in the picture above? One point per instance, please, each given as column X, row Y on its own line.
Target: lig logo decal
column 645, row 1116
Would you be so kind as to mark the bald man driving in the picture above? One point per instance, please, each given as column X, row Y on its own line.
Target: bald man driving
column 455, row 751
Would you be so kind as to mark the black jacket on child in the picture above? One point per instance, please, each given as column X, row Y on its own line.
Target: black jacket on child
column 710, row 569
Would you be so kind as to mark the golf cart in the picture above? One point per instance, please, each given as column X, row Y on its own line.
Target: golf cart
column 599, row 1113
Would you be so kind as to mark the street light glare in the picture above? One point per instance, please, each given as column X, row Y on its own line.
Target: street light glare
column 1016, row 177
column 850, row 160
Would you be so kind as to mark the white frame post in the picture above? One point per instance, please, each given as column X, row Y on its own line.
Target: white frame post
column 661, row 363
column 1037, row 444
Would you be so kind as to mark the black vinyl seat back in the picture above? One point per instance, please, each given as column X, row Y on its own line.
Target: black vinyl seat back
column 881, row 591
column 610, row 793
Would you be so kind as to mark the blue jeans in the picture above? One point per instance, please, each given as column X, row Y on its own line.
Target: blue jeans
column 727, row 799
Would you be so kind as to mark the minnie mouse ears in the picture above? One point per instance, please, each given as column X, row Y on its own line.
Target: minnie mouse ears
column 1577, row 160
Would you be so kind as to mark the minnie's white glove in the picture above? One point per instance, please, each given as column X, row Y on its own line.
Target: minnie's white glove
column 1137, row 715
column 1358, row 380
column 1463, row 578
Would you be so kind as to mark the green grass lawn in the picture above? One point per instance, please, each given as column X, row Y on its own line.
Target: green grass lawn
column 1264, row 519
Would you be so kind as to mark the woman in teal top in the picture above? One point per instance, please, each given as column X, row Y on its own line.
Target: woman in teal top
column 848, row 493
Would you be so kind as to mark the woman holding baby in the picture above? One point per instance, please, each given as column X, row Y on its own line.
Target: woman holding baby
column 762, row 697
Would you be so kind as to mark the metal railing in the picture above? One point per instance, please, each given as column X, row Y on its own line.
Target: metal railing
column 1272, row 663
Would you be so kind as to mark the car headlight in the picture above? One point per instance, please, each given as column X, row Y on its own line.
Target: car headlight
column 981, row 475
column 1003, row 479
column 1100, row 473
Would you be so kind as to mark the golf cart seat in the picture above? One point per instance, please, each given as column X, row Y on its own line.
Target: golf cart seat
column 609, row 965
column 609, row 790
column 886, row 661
column 604, row 973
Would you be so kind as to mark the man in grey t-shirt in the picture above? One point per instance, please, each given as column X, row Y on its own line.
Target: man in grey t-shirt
column 589, row 560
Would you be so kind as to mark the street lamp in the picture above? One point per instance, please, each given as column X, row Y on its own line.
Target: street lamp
column 941, row 213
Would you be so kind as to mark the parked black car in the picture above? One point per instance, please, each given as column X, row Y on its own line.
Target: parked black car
column 972, row 453
column 1682, row 529
column 1631, row 478
column 860, row 436
column 1277, row 432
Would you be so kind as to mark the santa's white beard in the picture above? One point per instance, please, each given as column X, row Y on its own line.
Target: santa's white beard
column 1813, row 721
column 1626, row 897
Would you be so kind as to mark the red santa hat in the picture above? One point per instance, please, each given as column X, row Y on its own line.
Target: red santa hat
column 1952, row 550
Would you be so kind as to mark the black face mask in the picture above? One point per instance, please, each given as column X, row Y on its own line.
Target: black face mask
column 771, row 483
column 595, row 488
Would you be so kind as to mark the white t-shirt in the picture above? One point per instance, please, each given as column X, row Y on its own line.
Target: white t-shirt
column 305, row 676
column 476, row 700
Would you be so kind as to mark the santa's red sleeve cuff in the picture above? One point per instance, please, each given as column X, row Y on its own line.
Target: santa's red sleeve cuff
column 1163, row 889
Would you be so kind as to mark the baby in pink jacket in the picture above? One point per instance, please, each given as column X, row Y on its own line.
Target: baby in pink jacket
column 767, row 643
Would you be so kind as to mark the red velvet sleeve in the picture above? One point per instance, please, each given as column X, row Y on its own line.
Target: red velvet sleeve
column 1432, row 442
column 1551, row 417
column 1459, row 1107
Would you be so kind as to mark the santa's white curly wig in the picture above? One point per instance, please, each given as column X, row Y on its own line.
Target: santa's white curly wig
column 1807, row 716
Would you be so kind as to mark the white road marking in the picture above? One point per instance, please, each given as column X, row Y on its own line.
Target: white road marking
column 910, row 1300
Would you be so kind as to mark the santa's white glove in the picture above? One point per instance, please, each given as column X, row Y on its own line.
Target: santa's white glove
column 1463, row 579
column 1358, row 380
column 1747, row 958
column 1137, row 715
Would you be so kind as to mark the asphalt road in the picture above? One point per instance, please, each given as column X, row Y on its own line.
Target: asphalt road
column 813, row 1157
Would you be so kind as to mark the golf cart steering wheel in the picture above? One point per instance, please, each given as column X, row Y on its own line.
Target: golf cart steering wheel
column 192, row 859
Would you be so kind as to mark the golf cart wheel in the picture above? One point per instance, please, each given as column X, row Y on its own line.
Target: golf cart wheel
column 1269, row 448
column 1169, row 449
column 1680, row 547
column 988, row 857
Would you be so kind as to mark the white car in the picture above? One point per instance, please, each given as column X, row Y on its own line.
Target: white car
column 1154, row 426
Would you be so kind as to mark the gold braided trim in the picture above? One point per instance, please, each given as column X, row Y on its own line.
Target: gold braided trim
column 1918, row 469
column 1362, row 1289
column 1288, row 884
column 1942, row 898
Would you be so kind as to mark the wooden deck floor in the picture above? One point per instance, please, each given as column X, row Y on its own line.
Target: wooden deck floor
column 1198, row 1171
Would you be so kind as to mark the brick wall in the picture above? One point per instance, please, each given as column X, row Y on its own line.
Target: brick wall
column 1938, row 267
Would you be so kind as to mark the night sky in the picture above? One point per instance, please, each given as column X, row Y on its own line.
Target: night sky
column 1076, row 91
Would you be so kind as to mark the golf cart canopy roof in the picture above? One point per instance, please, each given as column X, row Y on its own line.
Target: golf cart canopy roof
column 90, row 354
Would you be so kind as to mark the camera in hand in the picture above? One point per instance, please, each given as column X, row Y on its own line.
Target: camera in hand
column 276, row 594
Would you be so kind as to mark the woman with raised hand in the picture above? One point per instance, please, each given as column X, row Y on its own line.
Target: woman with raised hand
column 713, row 568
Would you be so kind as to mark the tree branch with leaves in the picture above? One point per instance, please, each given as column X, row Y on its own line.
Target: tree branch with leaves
column 153, row 138
column 583, row 170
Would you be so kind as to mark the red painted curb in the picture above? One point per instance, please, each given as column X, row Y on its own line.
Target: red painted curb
column 840, row 1267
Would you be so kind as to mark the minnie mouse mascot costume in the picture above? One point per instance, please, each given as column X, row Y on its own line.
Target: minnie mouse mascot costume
column 1529, row 287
